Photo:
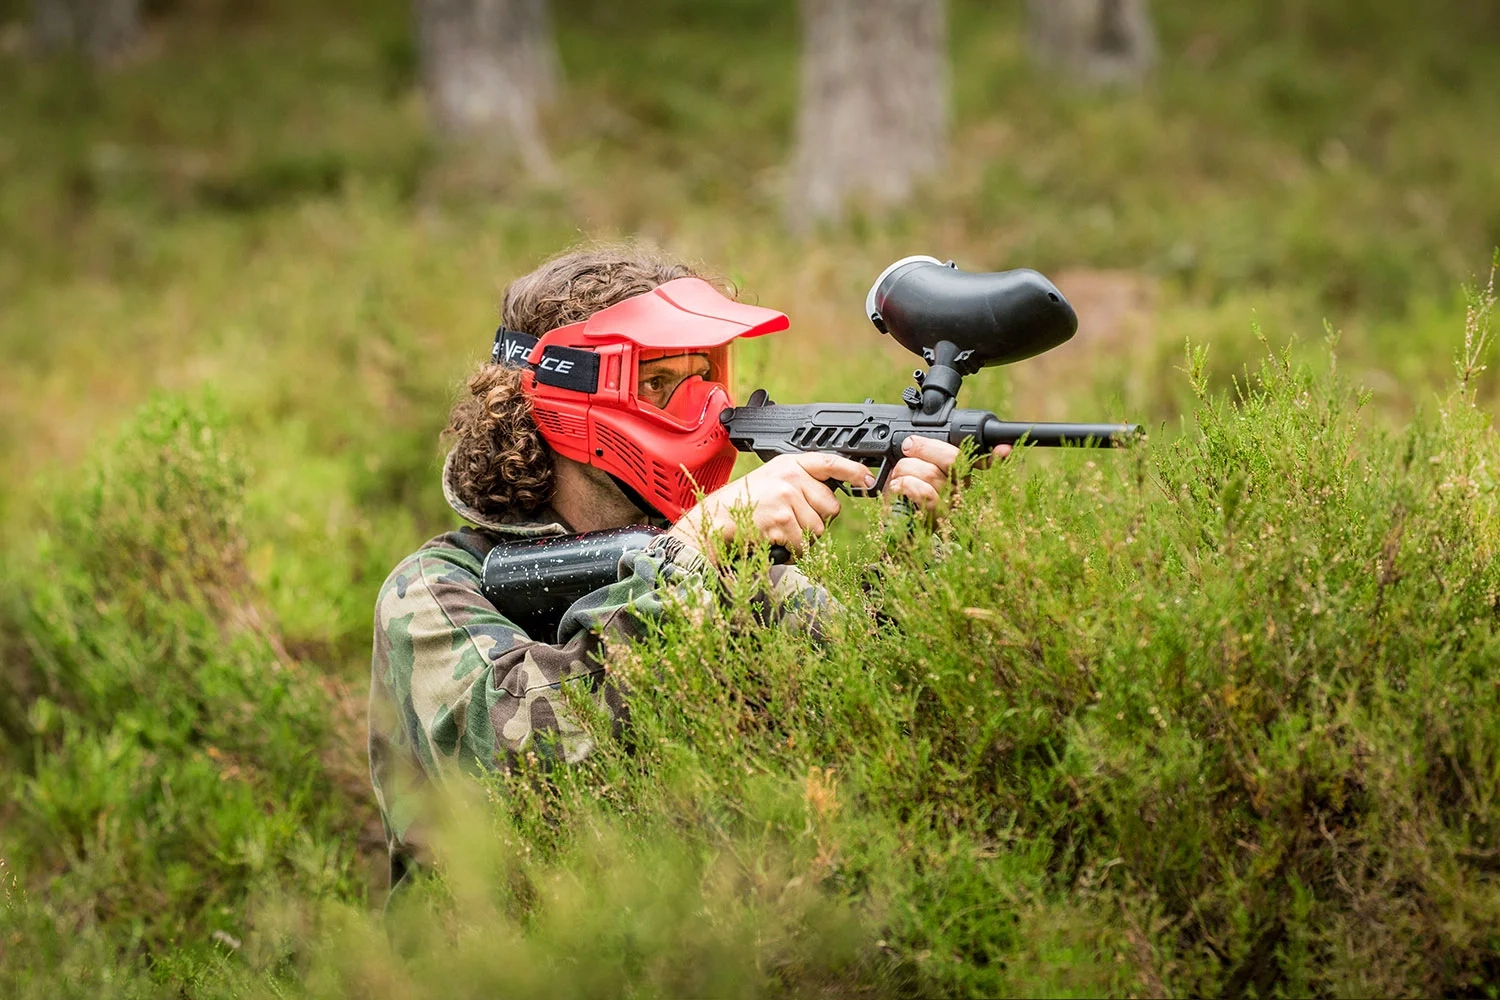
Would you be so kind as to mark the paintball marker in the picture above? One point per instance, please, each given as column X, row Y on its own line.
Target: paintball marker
column 958, row 322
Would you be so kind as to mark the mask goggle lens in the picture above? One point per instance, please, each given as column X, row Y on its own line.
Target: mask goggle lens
column 678, row 385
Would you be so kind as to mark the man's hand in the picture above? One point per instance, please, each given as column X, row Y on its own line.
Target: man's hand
column 788, row 498
column 925, row 469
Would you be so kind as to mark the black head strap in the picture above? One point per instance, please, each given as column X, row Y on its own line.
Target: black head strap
column 512, row 347
column 564, row 367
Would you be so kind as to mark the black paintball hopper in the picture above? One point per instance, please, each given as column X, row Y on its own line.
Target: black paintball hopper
column 991, row 318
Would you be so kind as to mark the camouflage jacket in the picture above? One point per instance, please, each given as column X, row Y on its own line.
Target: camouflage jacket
column 455, row 685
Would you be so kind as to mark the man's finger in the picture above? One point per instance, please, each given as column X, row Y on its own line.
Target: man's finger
column 916, row 490
column 939, row 453
column 807, row 517
column 822, row 465
column 817, row 493
column 925, row 471
column 781, row 528
column 1001, row 451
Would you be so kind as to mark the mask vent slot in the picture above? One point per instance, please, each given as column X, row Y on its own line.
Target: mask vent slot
column 666, row 485
column 710, row 475
column 561, row 424
column 627, row 450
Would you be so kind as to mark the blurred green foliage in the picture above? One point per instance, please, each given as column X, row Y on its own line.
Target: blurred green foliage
column 161, row 751
column 1215, row 716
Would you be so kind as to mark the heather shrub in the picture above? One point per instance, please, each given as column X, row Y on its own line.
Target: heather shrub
column 162, row 750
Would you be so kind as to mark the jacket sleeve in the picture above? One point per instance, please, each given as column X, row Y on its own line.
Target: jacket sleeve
column 785, row 597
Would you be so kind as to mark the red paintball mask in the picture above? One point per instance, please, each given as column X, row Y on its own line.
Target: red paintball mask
column 659, row 438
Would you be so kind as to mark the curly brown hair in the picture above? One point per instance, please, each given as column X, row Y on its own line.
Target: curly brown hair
column 500, row 465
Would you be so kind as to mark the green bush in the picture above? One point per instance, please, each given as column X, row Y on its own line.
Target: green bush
column 162, row 752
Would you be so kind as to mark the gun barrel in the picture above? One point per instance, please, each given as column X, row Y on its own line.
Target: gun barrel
column 996, row 431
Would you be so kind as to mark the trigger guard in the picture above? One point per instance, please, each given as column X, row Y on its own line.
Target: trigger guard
column 882, row 476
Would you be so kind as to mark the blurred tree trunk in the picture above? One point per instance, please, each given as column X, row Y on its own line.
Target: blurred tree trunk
column 487, row 66
column 1100, row 41
column 873, row 118
column 102, row 29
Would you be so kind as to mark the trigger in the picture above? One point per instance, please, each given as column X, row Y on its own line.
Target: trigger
column 882, row 477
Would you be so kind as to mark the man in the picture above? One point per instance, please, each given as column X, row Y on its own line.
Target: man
column 598, row 409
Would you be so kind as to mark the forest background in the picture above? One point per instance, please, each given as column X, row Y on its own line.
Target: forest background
column 1219, row 714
